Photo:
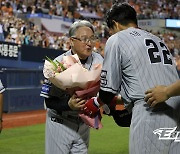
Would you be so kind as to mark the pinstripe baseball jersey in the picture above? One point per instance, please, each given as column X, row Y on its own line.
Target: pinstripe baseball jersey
column 135, row 61
column 2, row 89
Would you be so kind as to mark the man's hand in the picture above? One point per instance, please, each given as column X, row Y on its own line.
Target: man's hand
column 156, row 95
column 76, row 103
column 91, row 107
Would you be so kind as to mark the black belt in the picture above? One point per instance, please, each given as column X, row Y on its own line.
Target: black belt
column 60, row 120
column 72, row 117
column 69, row 116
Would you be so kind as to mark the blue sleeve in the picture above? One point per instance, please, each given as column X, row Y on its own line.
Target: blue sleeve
column 55, row 98
column 45, row 89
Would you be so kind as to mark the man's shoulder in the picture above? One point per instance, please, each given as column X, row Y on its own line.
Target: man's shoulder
column 97, row 55
column 113, row 39
column 59, row 58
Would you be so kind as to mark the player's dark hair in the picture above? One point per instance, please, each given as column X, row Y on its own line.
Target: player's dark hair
column 122, row 13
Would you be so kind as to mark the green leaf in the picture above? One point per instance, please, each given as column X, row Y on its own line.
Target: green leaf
column 61, row 65
column 52, row 62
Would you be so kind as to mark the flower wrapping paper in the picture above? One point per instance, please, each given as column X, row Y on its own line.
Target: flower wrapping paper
column 78, row 80
column 74, row 76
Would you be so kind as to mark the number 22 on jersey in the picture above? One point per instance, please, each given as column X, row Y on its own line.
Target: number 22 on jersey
column 154, row 52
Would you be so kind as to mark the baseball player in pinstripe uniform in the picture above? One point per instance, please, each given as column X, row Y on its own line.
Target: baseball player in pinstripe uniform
column 65, row 131
column 135, row 61
column 2, row 89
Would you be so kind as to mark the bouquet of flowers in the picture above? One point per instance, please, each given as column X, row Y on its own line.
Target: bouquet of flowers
column 70, row 75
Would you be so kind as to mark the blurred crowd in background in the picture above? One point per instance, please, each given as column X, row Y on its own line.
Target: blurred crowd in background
column 146, row 9
column 17, row 30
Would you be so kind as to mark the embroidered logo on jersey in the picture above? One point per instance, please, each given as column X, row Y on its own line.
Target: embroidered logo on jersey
column 134, row 33
column 45, row 87
column 103, row 74
column 103, row 78
column 103, row 82
column 168, row 134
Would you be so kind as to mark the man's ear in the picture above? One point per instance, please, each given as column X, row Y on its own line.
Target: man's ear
column 117, row 25
column 71, row 42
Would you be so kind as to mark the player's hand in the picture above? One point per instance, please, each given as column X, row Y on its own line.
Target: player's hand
column 91, row 107
column 156, row 95
column 76, row 103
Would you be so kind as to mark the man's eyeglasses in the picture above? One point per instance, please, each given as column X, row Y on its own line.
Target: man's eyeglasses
column 85, row 39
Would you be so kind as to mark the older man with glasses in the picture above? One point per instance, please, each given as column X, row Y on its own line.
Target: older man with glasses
column 65, row 131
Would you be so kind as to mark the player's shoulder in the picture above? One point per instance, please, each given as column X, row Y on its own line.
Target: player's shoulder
column 134, row 33
column 131, row 31
column 112, row 39
column 147, row 34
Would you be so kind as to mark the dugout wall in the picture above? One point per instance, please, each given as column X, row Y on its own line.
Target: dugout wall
column 21, row 75
column 22, row 89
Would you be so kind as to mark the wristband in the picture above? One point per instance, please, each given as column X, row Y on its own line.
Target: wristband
column 96, row 102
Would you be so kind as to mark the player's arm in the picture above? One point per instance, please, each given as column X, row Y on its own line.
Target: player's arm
column 111, row 77
column 106, row 97
column 173, row 89
column 162, row 93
